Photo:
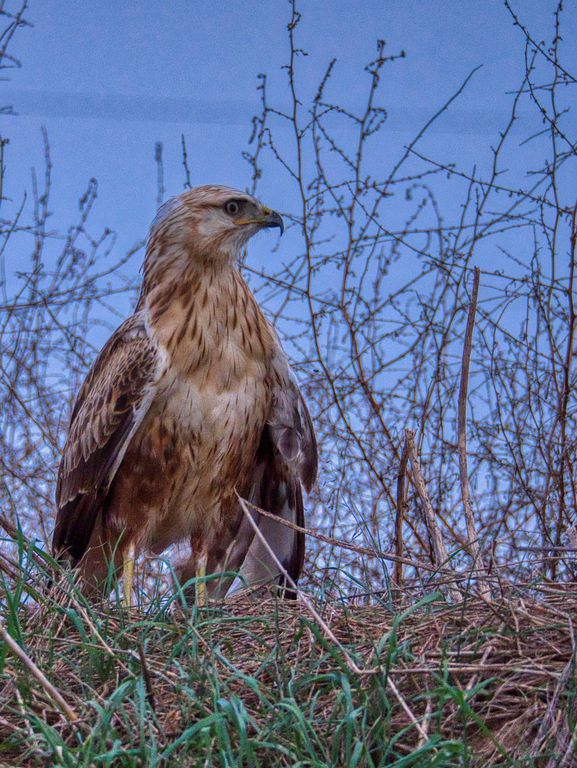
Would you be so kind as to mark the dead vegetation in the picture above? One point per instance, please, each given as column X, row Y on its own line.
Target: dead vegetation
column 429, row 309
column 480, row 683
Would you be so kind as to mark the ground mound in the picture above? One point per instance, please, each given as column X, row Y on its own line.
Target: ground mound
column 260, row 681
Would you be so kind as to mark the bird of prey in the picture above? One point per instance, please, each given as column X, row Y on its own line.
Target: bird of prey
column 190, row 405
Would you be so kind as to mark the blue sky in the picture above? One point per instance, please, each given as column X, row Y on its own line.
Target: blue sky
column 110, row 79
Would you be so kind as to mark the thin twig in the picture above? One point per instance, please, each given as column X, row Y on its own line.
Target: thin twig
column 187, row 182
column 146, row 677
column 357, row 549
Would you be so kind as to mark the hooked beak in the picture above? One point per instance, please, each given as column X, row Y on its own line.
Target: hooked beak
column 272, row 219
column 266, row 220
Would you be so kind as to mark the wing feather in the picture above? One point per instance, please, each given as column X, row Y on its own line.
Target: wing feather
column 109, row 408
column 286, row 461
column 291, row 426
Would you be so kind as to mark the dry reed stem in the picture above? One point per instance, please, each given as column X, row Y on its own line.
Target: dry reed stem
column 49, row 689
column 399, row 516
column 441, row 558
column 473, row 537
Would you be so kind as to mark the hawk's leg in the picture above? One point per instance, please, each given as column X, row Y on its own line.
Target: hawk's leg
column 201, row 595
column 128, row 571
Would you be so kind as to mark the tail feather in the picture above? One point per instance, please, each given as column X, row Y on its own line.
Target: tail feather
column 74, row 527
column 283, row 544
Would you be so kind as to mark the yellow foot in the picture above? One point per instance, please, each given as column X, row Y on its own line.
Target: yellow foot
column 201, row 595
column 128, row 571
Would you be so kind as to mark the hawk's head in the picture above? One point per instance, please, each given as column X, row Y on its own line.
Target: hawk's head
column 211, row 221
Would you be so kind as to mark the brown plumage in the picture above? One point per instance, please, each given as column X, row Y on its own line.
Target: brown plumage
column 190, row 402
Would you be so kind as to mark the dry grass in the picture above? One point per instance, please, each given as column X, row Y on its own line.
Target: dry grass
column 256, row 681
column 378, row 308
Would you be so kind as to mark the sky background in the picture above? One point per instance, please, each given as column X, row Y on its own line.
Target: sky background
column 110, row 79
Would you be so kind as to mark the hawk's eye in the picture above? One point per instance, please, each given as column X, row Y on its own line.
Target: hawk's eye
column 232, row 207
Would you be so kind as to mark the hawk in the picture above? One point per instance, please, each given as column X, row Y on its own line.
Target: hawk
column 190, row 405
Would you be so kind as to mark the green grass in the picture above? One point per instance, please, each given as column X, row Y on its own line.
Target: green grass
column 257, row 682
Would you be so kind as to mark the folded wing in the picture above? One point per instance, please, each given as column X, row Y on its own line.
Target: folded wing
column 109, row 409
column 286, row 462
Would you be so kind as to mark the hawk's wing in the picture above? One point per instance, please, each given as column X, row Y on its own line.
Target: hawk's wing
column 286, row 461
column 109, row 409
